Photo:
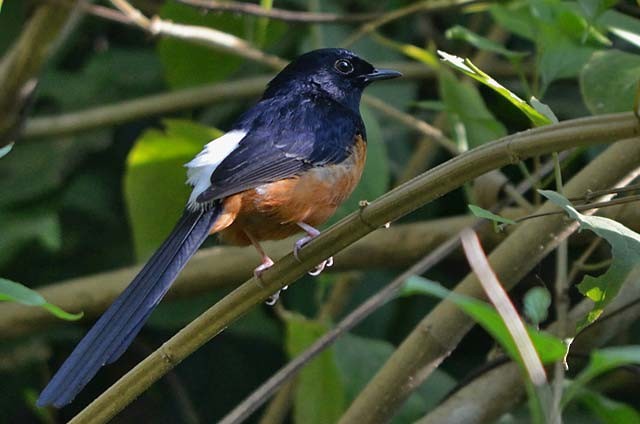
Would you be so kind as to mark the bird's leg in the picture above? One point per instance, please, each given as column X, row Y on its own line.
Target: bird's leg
column 311, row 234
column 266, row 264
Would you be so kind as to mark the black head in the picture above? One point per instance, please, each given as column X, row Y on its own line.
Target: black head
column 337, row 72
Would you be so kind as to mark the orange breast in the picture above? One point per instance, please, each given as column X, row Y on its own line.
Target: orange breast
column 272, row 211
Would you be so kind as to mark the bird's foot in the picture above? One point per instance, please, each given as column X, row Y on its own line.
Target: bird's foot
column 266, row 264
column 311, row 234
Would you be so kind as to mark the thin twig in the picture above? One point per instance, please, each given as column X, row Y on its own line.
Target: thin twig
column 279, row 14
column 586, row 207
column 589, row 195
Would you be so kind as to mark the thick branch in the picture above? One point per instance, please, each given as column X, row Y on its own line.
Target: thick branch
column 391, row 206
column 21, row 65
column 229, row 266
column 435, row 337
column 498, row 391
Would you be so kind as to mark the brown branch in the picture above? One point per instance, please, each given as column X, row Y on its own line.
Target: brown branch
column 21, row 65
column 438, row 334
column 498, row 391
column 279, row 14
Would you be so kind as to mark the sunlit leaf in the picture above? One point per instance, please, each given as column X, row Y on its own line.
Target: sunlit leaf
column 549, row 348
column 609, row 81
column 483, row 213
column 465, row 66
column 625, row 250
column 154, row 185
column 320, row 394
column 15, row 292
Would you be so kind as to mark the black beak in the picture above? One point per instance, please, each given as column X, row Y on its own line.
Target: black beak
column 381, row 74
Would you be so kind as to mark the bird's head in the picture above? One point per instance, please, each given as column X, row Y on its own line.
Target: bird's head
column 338, row 72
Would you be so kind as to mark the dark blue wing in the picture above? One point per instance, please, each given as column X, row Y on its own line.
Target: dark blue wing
column 285, row 138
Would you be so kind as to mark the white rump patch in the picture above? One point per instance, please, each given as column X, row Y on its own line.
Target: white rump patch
column 199, row 170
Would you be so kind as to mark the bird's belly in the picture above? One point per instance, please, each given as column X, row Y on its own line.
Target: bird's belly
column 271, row 211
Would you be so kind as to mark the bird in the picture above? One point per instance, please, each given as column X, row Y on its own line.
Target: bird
column 284, row 167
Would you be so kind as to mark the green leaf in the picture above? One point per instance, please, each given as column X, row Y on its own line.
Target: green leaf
column 625, row 250
column 516, row 18
column 15, row 292
column 608, row 410
column 483, row 213
column 112, row 75
column 560, row 57
column 461, row 33
column 544, row 109
column 607, row 359
column 467, row 67
column 465, row 106
column 609, row 80
column 536, row 304
column 376, row 174
column 35, row 169
column 320, row 394
column 594, row 8
column 19, row 229
column 187, row 64
column 6, row 149
column 154, row 184
column 358, row 360
column 624, row 26
column 549, row 348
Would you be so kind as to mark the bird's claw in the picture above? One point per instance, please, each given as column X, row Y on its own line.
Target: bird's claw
column 273, row 299
column 321, row 266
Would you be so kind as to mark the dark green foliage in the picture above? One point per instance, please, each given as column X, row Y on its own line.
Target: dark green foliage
column 72, row 206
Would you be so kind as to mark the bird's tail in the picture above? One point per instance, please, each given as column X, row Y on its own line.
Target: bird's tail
column 117, row 327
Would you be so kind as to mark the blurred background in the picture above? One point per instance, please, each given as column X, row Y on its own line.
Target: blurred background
column 95, row 180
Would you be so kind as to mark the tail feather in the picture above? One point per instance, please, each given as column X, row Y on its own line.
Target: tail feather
column 112, row 334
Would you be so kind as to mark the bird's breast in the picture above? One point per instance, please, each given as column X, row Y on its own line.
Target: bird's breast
column 271, row 211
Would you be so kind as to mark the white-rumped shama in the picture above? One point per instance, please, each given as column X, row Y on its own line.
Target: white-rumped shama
column 284, row 167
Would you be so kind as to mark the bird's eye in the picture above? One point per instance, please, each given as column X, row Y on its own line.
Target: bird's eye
column 343, row 66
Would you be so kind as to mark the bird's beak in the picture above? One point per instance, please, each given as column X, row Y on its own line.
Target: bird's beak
column 381, row 74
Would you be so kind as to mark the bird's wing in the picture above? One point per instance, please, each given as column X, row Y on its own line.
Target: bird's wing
column 284, row 145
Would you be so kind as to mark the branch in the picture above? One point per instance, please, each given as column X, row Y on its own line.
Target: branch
column 205, row 36
column 437, row 335
column 94, row 293
column 175, row 101
column 22, row 64
column 488, row 397
column 279, row 14
column 391, row 206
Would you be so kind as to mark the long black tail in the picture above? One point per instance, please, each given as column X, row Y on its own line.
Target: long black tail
column 117, row 327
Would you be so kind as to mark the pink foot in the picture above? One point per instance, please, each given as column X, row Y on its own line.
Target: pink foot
column 312, row 233
column 266, row 264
